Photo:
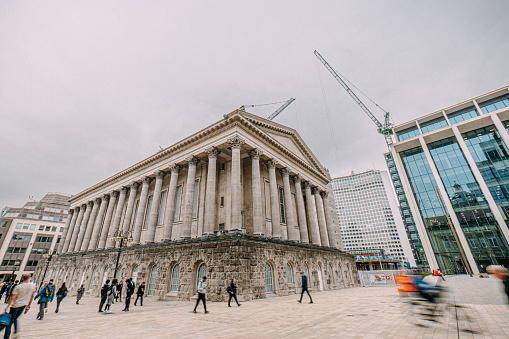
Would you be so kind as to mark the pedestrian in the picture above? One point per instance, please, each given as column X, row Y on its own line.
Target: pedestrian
column 232, row 292
column 139, row 294
column 6, row 291
column 61, row 294
column 80, row 293
column 112, row 292
column 129, row 291
column 9, row 290
column 45, row 295
column 104, row 294
column 3, row 287
column 21, row 300
column 305, row 288
column 119, row 292
column 202, row 289
column 501, row 273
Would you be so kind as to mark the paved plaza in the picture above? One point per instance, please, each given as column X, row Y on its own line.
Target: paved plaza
column 363, row 312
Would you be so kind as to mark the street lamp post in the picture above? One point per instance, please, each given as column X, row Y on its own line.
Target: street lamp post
column 48, row 261
column 16, row 264
column 123, row 238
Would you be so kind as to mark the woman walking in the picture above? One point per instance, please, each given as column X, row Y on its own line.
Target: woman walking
column 61, row 294
column 119, row 292
column 232, row 291
column 81, row 291
column 111, row 296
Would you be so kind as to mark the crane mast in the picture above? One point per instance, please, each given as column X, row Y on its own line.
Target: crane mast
column 386, row 127
column 281, row 109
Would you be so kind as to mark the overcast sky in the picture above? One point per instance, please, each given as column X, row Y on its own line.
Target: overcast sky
column 88, row 88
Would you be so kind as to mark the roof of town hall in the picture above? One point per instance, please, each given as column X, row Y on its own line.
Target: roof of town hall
column 254, row 123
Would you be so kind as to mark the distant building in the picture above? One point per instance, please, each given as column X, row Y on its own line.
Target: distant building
column 29, row 232
column 369, row 217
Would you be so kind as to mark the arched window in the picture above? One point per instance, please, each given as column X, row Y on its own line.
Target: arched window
column 346, row 271
column 289, row 274
column 135, row 274
column 339, row 271
column 331, row 276
column 175, row 276
column 92, row 278
column 269, row 287
column 152, row 281
column 202, row 272
column 306, row 272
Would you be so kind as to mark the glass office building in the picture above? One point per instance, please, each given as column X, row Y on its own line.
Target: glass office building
column 454, row 166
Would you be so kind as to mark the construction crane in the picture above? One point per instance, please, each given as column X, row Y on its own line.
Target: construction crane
column 276, row 113
column 386, row 127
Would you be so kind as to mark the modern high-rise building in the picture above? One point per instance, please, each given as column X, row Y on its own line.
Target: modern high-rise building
column 28, row 233
column 453, row 165
column 369, row 216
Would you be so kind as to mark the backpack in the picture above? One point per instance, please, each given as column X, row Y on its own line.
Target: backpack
column 48, row 291
column 104, row 291
column 229, row 289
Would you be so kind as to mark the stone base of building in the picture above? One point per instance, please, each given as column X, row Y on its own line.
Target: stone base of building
column 262, row 267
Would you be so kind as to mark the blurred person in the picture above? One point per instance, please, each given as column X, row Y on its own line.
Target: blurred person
column 501, row 273
column 80, row 293
column 45, row 296
column 61, row 294
column 118, row 296
column 3, row 287
column 104, row 294
column 202, row 289
column 112, row 292
column 9, row 290
column 129, row 291
column 140, row 293
column 21, row 299
column 304, row 286
column 232, row 292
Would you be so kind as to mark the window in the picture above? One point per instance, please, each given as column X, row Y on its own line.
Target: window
column 45, row 217
column 147, row 213
column 202, row 272
column 195, row 198
column 494, row 105
column 92, row 278
column 282, row 205
column 331, row 276
column 19, row 237
column 433, row 125
column 269, row 287
column 44, row 239
column 61, row 229
column 160, row 210
column 178, row 198
column 4, row 223
column 19, row 225
column 32, row 227
column 53, row 229
column 221, row 227
column 339, row 272
column 175, row 276
column 152, row 281
column 48, row 228
column 26, row 226
column 32, row 263
column 289, row 274
column 408, row 133
column 56, row 219
column 39, row 251
column 16, row 250
column 222, row 202
column 222, row 166
column 41, row 228
column 462, row 115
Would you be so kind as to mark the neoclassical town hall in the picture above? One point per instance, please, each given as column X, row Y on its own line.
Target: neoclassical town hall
column 244, row 198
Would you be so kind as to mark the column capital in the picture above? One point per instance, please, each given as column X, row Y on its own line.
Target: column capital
column 192, row 160
column 90, row 203
column 296, row 178
column 255, row 153
column 212, row 152
column 272, row 163
column 134, row 185
column 160, row 174
column 307, row 185
column 71, row 211
column 284, row 172
column 124, row 190
column 236, row 141
column 114, row 194
column 105, row 198
column 174, row 168
column 147, row 180
column 323, row 194
column 97, row 200
column 315, row 190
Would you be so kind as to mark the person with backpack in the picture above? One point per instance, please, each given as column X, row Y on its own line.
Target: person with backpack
column 45, row 295
column 20, row 301
column 9, row 290
column 3, row 287
column 104, row 294
column 140, row 293
column 80, row 293
column 232, row 292
column 112, row 292
column 304, row 286
column 129, row 291
column 61, row 294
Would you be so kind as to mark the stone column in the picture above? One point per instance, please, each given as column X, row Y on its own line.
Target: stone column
column 314, row 235
column 92, row 245
column 169, row 211
column 76, row 229
column 322, row 225
column 293, row 234
column 138, row 223
column 236, row 186
column 90, row 225
column 210, row 198
column 66, row 237
column 329, row 219
column 107, row 220
column 188, row 198
column 274, row 200
column 130, row 206
column 256, row 182
column 116, row 219
column 301, row 210
column 156, row 200
column 83, row 227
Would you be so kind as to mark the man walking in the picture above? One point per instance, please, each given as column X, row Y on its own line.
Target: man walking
column 45, row 295
column 305, row 288
column 139, row 294
column 21, row 299
column 129, row 291
column 104, row 294
column 202, row 289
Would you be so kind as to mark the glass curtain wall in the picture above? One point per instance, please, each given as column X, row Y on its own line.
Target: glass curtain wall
column 439, row 232
column 472, row 210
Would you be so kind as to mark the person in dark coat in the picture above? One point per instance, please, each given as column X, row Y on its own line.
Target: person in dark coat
column 104, row 294
column 9, row 290
column 140, row 293
column 3, row 289
column 129, row 291
column 305, row 288
column 61, row 294
column 80, row 292
column 232, row 292
column 119, row 292
column 45, row 296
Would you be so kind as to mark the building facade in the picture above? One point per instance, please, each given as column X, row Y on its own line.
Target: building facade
column 369, row 216
column 244, row 175
column 454, row 166
column 30, row 232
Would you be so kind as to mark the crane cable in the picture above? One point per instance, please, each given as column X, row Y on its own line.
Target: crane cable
column 326, row 107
